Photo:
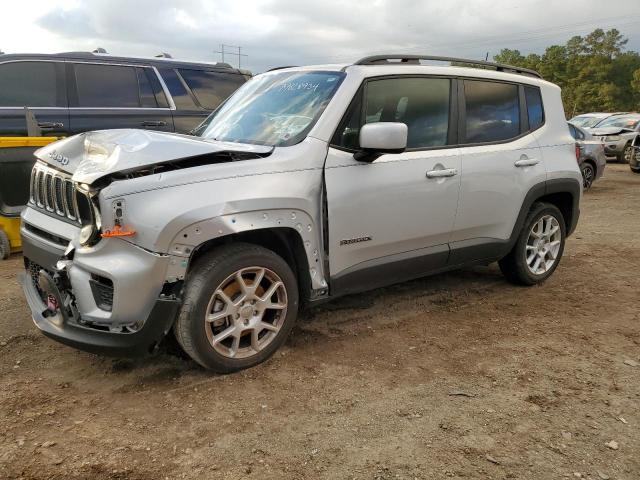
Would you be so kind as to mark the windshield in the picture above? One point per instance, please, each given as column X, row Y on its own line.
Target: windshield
column 621, row 122
column 585, row 121
column 277, row 109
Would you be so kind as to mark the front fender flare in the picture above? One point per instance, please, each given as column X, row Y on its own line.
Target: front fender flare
column 189, row 238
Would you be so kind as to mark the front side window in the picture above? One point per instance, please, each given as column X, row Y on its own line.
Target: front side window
column 211, row 88
column 106, row 86
column 420, row 103
column 276, row 109
column 28, row 84
column 492, row 111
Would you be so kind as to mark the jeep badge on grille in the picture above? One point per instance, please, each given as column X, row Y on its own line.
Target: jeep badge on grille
column 58, row 157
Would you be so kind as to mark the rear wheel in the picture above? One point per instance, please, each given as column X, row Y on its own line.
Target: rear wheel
column 240, row 303
column 588, row 175
column 5, row 246
column 539, row 247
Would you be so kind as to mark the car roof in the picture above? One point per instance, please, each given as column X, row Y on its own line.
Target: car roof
column 108, row 58
column 414, row 69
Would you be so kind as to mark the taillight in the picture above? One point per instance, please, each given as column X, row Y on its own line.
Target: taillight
column 577, row 152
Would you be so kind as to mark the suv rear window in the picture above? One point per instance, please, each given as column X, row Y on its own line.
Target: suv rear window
column 106, row 86
column 492, row 111
column 28, row 84
column 211, row 88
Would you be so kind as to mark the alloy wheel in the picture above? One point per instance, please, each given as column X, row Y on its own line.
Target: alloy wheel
column 587, row 176
column 543, row 245
column 628, row 154
column 246, row 312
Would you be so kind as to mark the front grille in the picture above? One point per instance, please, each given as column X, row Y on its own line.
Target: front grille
column 54, row 192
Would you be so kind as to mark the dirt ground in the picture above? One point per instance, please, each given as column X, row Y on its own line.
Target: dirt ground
column 455, row 376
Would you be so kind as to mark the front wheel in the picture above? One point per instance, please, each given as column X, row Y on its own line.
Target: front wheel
column 240, row 303
column 627, row 153
column 538, row 248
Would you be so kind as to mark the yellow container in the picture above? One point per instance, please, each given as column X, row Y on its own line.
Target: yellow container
column 10, row 225
column 7, row 142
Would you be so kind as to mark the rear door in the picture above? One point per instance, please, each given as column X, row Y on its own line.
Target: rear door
column 39, row 85
column 106, row 96
column 501, row 161
column 196, row 93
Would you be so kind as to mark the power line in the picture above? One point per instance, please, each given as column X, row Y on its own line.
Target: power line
column 239, row 54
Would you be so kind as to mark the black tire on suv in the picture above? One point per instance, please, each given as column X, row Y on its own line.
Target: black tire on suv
column 626, row 153
column 534, row 243
column 230, row 294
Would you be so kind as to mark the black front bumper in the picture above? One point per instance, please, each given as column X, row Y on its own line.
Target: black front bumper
column 103, row 342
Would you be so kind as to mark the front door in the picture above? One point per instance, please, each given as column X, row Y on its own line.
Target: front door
column 390, row 220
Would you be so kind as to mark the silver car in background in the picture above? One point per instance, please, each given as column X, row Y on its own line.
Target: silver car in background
column 592, row 159
column 589, row 120
column 618, row 133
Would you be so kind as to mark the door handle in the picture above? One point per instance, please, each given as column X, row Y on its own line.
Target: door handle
column 50, row 125
column 153, row 123
column 527, row 162
column 445, row 172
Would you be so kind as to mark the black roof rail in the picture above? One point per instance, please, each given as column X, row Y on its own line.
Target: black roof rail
column 280, row 68
column 415, row 60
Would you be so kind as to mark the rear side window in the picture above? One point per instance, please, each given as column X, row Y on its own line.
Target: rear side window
column 106, row 86
column 211, row 88
column 421, row 103
column 535, row 111
column 28, row 84
column 492, row 111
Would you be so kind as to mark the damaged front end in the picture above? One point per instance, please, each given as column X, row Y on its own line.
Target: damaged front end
column 87, row 284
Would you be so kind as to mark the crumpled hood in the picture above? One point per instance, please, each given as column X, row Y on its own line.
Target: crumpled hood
column 604, row 131
column 93, row 155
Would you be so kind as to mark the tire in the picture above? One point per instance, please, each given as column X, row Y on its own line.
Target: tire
column 5, row 246
column 254, row 331
column 515, row 266
column 635, row 170
column 626, row 153
column 588, row 175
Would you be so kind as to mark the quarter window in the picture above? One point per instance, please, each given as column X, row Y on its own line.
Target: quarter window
column 181, row 97
column 492, row 111
column 211, row 88
column 421, row 103
column 534, row 107
column 28, row 84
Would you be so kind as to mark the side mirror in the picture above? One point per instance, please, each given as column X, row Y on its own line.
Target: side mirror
column 379, row 138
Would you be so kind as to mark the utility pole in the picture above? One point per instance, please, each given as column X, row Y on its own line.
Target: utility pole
column 239, row 54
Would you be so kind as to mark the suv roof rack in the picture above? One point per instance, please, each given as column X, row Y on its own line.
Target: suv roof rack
column 415, row 60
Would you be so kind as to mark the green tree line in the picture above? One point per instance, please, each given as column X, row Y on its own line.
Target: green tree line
column 595, row 72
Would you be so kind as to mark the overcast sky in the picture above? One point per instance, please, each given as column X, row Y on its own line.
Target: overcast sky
column 297, row 32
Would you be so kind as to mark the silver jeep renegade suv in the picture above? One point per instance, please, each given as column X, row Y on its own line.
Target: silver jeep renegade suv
column 307, row 184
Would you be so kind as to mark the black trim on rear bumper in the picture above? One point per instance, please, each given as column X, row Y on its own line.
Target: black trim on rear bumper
column 136, row 344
